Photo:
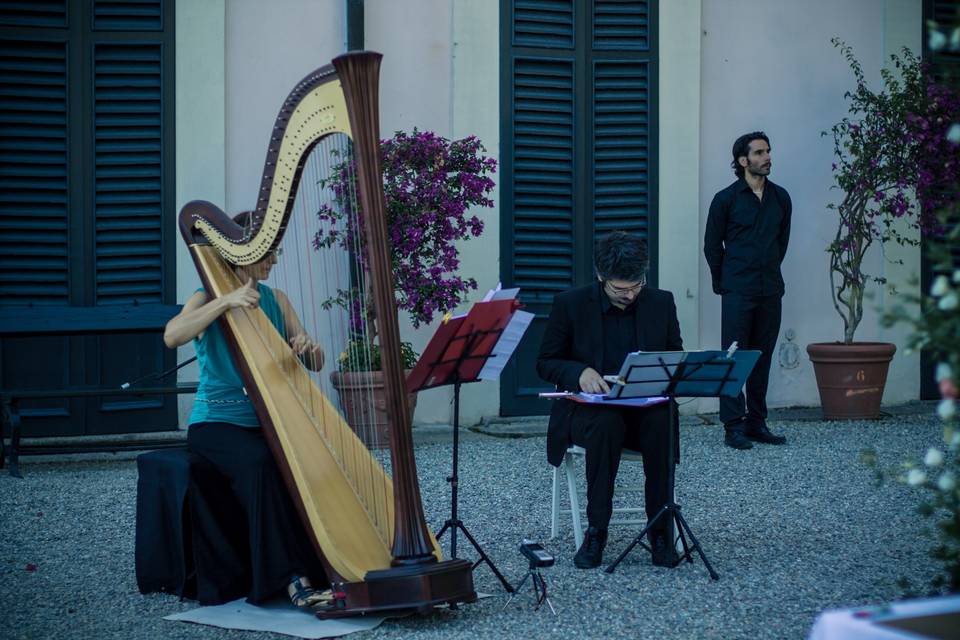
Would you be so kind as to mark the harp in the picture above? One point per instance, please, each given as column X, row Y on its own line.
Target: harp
column 367, row 525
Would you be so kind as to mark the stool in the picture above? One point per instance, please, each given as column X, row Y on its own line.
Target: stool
column 174, row 552
column 569, row 469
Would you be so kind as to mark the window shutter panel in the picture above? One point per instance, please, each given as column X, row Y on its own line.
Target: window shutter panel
column 621, row 24
column 127, row 179
column 33, row 13
column 543, row 23
column 128, row 15
column 621, row 147
column 33, row 173
column 543, row 152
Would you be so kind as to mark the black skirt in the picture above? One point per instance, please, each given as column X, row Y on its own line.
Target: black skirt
column 247, row 535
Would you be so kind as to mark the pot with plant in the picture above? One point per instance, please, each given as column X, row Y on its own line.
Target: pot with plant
column 429, row 185
column 892, row 158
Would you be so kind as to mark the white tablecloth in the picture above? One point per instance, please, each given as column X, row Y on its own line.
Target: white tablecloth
column 861, row 623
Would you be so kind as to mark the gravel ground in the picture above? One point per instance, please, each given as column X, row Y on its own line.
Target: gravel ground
column 791, row 530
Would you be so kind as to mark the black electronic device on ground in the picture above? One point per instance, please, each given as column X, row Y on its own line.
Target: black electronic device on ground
column 539, row 558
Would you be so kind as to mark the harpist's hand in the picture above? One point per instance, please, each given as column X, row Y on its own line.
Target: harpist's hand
column 246, row 296
column 593, row 382
column 308, row 350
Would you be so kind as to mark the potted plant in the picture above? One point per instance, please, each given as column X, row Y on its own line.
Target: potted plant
column 892, row 159
column 429, row 185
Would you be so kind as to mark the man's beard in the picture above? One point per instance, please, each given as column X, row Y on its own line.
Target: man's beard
column 758, row 169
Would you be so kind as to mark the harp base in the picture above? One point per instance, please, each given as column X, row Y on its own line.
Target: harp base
column 396, row 590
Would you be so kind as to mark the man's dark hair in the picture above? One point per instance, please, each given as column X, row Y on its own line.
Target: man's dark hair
column 621, row 256
column 741, row 148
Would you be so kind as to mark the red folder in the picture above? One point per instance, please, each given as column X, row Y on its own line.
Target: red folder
column 461, row 345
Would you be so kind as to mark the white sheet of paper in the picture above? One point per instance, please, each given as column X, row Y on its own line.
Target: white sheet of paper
column 278, row 616
column 507, row 344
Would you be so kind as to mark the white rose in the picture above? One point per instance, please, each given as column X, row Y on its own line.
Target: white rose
column 946, row 482
column 944, row 372
column 947, row 409
column 916, row 477
column 940, row 286
column 949, row 302
column 933, row 458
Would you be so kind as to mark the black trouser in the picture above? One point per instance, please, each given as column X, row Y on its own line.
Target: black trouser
column 754, row 323
column 278, row 545
column 604, row 432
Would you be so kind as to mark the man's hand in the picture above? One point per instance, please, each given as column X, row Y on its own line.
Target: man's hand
column 593, row 382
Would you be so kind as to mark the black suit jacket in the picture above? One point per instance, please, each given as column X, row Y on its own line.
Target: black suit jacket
column 573, row 341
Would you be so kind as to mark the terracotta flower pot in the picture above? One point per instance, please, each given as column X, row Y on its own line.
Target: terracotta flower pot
column 851, row 377
column 363, row 402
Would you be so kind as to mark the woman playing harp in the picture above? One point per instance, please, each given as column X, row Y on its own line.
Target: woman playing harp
column 360, row 506
column 224, row 430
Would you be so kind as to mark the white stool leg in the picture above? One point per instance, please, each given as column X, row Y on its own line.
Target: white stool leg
column 555, row 504
column 574, row 498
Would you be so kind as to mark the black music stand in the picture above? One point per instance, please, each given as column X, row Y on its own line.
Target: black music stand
column 457, row 354
column 677, row 373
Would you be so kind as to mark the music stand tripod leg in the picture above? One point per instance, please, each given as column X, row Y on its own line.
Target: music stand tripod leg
column 683, row 526
column 454, row 522
column 665, row 509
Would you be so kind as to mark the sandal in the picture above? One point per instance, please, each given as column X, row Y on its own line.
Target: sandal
column 304, row 596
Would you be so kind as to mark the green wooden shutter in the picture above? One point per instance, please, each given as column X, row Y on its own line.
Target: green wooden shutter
column 543, row 23
column 127, row 173
column 578, row 144
column 621, row 24
column 543, row 177
column 86, row 237
column 33, row 13
column 127, row 15
column 33, row 173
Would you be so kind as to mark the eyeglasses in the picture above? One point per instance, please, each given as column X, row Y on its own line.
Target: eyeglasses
column 624, row 290
column 277, row 252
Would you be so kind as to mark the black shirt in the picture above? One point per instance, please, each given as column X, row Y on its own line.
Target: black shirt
column 619, row 334
column 746, row 239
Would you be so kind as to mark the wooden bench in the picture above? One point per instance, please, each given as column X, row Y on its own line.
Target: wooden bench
column 10, row 413
column 37, row 321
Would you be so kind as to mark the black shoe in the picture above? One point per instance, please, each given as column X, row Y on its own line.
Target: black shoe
column 760, row 433
column 590, row 554
column 737, row 439
column 664, row 553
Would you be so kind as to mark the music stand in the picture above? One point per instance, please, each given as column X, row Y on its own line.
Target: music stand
column 464, row 349
column 671, row 374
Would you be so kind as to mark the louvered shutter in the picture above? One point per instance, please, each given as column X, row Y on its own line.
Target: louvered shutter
column 577, row 150
column 127, row 173
column 86, row 135
column 621, row 24
column 621, row 147
column 543, row 177
column 33, row 173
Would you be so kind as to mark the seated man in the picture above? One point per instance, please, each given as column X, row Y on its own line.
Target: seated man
column 588, row 334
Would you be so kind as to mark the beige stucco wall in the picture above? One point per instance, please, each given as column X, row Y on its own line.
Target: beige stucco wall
column 200, row 134
column 718, row 77
column 679, row 165
column 787, row 79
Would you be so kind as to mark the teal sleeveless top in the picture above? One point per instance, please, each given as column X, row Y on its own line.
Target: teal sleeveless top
column 220, row 395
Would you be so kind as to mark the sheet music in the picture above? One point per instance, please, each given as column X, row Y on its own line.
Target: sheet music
column 499, row 293
column 507, row 344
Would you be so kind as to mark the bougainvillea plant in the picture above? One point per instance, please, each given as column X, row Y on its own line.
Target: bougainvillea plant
column 893, row 161
column 429, row 185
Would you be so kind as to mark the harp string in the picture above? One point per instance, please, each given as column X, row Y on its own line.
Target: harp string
column 308, row 277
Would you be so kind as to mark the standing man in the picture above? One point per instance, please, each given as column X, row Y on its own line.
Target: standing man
column 745, row 241
column 589, row 333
